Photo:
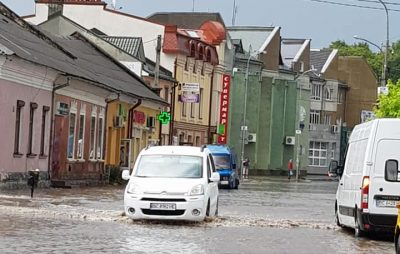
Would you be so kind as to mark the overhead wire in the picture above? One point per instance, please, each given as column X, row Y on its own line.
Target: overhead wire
column 353, row 5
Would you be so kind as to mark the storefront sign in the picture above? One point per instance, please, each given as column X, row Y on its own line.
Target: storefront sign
column 224, row 110
column 139, row 117
column 190, row 93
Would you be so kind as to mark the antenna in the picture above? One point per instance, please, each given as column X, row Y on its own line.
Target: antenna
column 235, row 9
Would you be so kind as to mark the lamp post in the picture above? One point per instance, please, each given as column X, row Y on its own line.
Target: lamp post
column 298, row 131
column 243, row 128
column 383, row 79
column 387, row 43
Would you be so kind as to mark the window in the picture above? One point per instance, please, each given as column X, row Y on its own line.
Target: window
column 184, row 109
column 32, row 110
column 316, row 91
column 100, row 136
column 190, row 139
column 92, row 137
column 45, row 111
column 81, row 133
column 318, row 154
column 71, row 135
column 197, row 141
column 340, row 96
column 392, row 173
column 20, row 105
column 328, row 94
column 333, row 150
column 315, row 116
column 201, row 103
column 192, row 110
column 327, row 119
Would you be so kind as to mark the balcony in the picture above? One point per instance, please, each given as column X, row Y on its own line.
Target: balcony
column 325, row 132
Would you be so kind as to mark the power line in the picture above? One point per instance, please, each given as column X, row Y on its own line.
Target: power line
column 352, row 5
column 374, row 1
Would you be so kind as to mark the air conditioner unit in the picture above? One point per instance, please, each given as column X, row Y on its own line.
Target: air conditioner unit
column 118, row 121
column 62, row 108
column 290, row 140
column 334, row 129
column 151, row 122
column 251, row 137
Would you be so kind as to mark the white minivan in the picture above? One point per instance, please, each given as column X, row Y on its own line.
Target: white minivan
column 369, row 185
column 172, row 183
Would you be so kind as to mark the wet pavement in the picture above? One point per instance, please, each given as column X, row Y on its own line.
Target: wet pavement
column 266, row 215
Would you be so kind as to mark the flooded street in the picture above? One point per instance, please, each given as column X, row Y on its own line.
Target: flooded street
column 263, row 216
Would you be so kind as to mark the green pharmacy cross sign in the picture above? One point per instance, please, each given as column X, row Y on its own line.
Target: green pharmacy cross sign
column 164, row 117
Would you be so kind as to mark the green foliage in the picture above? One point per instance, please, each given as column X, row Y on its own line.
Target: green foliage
column 394, row 62
column 389, row 105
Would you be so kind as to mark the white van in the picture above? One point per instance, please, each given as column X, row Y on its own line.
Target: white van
column 369, row 185
column 172, row 183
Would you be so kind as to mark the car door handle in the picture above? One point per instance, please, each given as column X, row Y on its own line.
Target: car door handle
column 341, row 184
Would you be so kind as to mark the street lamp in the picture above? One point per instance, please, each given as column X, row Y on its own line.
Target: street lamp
column 387, row 43
column 243, row 128
column 383, row 79
column 298, row 131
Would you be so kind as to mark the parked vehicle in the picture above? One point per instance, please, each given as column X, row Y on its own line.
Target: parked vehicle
column 172, row 183
column 369, row 185
column 225, row 163
column 397, row 231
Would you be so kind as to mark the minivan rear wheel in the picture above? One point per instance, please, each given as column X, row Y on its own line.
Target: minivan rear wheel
column 358, row 232
column 398, row 245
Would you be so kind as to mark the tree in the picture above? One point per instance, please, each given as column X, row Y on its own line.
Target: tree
column 394, row 62
column 389, row 105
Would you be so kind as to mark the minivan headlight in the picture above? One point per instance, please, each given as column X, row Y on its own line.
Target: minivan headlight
column 197, row 190
column 133, row 189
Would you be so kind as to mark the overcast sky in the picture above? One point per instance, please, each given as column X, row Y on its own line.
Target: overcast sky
column 320, row 22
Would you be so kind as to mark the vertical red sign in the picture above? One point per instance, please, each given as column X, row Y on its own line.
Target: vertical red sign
column 224, row 110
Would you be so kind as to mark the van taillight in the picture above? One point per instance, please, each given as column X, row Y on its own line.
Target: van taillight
column 364, row 192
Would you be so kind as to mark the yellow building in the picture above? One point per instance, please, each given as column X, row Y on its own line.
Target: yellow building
column 130, row 128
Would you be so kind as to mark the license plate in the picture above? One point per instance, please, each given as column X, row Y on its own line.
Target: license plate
column 162, row 206
column 224, row 182
column 386, row 203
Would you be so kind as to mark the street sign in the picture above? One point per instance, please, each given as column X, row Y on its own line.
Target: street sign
column 298, row 132
column 164, row 117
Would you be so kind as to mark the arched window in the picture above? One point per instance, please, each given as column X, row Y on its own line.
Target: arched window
column 208, row 54
column 201, row 52
column 192, row 49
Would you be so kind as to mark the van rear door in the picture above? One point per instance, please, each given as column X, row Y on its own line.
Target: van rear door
column 384, row 189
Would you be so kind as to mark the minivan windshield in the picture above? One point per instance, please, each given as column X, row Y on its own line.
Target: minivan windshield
column 170, row 166
column 222, row 161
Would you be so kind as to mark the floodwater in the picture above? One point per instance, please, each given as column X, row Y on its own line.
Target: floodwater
column 266, row 215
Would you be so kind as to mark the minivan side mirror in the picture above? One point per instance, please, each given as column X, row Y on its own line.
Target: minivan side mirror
column 125, row 174
column 215, row 177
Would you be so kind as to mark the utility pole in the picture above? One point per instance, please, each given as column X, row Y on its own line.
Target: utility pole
column 384, row 78
column 156, row 82
column 193, row 5
column 234, row 13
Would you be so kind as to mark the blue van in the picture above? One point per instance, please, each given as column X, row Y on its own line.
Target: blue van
column 225, row 163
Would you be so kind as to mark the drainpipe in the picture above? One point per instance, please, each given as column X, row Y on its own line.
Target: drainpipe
column 171, row 125
column 210, row 108
column 52, row 117
column 105, row 134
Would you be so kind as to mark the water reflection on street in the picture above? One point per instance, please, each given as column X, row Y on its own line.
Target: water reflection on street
column 266, row 215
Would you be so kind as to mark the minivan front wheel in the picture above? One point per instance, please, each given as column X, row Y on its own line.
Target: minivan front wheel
column 208, row 209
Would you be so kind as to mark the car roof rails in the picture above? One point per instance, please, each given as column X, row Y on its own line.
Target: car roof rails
column 203, row 147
